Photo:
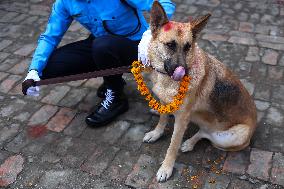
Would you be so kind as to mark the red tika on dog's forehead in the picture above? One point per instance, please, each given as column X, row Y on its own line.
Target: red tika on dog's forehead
column 174, row 25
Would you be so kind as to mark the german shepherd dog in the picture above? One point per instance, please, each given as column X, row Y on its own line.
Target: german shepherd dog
column 216, row 100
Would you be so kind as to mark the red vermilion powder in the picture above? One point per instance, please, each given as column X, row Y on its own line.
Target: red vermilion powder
column 168, row 26
column 37, row 131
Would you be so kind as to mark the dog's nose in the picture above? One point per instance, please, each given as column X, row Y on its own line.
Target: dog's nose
column 167, row 68
column 170, row 68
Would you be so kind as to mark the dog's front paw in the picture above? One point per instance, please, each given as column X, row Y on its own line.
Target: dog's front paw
column 187, row 146
column 164, row 173
column 152, row 136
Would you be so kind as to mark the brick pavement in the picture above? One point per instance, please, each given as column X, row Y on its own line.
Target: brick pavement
column 44, row 142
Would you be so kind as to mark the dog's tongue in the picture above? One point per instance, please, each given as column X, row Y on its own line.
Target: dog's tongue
column 178, row 73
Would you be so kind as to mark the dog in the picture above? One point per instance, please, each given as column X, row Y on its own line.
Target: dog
column 216, row 99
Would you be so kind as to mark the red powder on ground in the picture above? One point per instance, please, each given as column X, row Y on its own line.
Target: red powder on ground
column 168, row 26
column 37, row 131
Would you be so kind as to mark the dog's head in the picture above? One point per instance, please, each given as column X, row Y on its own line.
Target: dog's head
column 172, row 44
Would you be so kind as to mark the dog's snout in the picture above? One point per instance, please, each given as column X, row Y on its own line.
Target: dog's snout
column 167, row 67
column 170, row 68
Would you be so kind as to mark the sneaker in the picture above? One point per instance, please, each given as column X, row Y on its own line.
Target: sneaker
column 113, row 104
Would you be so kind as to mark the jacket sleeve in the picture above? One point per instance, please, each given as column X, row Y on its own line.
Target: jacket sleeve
column 58, row 23
column 146, row 5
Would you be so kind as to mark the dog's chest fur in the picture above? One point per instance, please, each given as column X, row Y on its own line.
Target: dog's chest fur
column 164, row 87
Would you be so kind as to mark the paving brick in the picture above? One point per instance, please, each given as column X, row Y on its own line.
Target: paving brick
column 8, row 132
column 29, row 177
column 275, row 73
column 56, row 95
column 62, row 118
column 142, row 172
column 276, row 46
column 242, row 40
column 119, row 168
column 215, row 37
column 3, row 75
column 20, row 18
column 77, row 125
column 43, row 115
column 241, row 184
column 24, row 116
column 217, row 181
column 248, row 85
column 237, row 162
column 77, row 83
column 10, row 169
column 8, row 83
column 8, row 63
column 94, row 83
column 12, row 108
column 270, row 57
column 277, row 171
column 115, row 131
column 89, row 102
column 257, row 158
column 253, row 54
column 134, row 136
column 246, row 27
column 137, row 108
column 3, row 56
column 263, row 92
column 275, row 117
column 79, row 152
column 73, row 97
column 38, row 144
column 281, row 61
column 262, row 105
column 52, row 178
column 21, row 67
column 99, row 160
column 277, row 93
column 275, row 143
column 269, row 38
column 8, row 17
column 25, row 50
column 213, row 159
column 5, row 43
column 17, row 90
column 19, row 142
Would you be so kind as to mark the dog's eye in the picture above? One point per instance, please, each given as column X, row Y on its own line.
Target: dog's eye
column 171, row 45
column 186, row 47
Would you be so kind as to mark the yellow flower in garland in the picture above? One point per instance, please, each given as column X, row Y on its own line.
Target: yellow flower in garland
column 136, row 70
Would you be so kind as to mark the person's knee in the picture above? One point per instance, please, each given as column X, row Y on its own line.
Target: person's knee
column 102, row 45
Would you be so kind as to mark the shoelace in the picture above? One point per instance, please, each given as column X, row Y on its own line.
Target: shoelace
column 109, row 98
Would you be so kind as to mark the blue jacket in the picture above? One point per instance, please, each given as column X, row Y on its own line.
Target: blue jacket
column 119, row 18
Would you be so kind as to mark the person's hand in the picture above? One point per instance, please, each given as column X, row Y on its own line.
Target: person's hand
column 27, row 85
column 143, row 48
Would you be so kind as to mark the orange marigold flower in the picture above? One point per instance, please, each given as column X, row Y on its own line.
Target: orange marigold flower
column 136, row 70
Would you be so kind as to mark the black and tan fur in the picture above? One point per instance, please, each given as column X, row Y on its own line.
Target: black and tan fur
column 216, row 101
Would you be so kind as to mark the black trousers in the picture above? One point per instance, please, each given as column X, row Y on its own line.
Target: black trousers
column 92, row 54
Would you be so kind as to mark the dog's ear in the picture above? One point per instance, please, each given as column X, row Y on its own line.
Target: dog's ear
column 158, row 18
column 198, row 24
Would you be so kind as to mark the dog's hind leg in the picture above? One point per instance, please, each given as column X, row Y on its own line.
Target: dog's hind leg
column 190, row 143
column 154, row 135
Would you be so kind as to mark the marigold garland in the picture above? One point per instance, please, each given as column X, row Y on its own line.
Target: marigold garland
column 136, row 70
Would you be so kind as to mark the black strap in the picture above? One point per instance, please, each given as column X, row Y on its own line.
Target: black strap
column 100, row 73
column 136, row 30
